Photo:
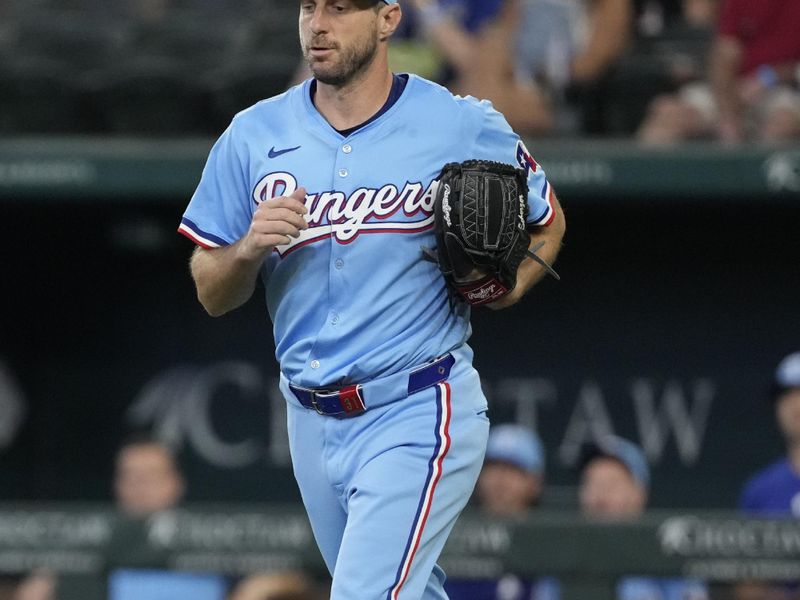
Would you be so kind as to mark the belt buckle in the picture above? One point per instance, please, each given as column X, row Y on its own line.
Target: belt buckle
column 321, row 393
column 349, row 398
column 315, row 405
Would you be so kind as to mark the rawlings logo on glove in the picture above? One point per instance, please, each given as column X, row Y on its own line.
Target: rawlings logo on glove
column 446, row 206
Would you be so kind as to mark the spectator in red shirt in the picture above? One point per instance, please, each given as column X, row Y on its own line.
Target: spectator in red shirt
column 752, row 87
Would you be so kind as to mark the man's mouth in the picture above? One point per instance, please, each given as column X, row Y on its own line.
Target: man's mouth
column 320, row 52
column 321, row 44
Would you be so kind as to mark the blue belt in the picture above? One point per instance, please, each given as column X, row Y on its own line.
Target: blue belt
column 349, row 401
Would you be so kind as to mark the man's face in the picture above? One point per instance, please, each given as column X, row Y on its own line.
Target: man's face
column 505, row 489
column 339, row 38
column 146, row 480
column 787, row 408
column 609, row 491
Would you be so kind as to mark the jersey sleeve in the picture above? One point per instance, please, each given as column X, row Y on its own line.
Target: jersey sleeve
column 497, row 141
column 219, row 212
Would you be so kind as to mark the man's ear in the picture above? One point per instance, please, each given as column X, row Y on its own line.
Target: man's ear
column 389, row 20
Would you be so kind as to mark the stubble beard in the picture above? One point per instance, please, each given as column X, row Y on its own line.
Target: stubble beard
column 353, row 61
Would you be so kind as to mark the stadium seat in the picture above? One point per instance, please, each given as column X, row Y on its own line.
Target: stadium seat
column 8, row 36
column 38, row 96
column 41, row 96
column 632, row 86
column 655, row 65
column 246, row 82
column 83, row 41
column 194, row 38
column 275, row 32
column 152, row 97
column 40, row 6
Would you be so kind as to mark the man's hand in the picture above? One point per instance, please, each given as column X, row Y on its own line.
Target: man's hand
column 274, row 223
column 226, row 277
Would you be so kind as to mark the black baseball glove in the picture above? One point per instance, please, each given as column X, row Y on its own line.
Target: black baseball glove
column 480, row 224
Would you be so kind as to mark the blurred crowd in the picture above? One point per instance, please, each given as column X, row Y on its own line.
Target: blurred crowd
column 148, row 483
column 661, row 71
column 614, row 484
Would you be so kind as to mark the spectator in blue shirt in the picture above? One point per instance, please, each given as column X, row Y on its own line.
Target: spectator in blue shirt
column 775, row 490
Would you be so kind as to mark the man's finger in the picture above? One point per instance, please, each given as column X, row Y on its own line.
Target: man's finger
column 299, row 193
column 280, row 213
column 290, row 202
column 279, row 227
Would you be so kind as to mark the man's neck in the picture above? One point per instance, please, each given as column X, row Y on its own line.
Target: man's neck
column 355, row 102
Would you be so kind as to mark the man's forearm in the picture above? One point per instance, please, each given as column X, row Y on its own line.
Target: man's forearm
column 224, row 279
column 723, row 69
column 451, row 40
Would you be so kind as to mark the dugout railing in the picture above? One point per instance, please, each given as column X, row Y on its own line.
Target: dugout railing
column 84, row 543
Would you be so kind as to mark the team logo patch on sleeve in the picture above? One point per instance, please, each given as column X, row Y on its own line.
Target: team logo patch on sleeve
column 525, row 159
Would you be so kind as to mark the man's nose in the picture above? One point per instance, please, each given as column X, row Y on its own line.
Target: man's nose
column 319, row 21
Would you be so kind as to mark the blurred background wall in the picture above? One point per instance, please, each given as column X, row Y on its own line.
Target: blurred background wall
column 680, row 269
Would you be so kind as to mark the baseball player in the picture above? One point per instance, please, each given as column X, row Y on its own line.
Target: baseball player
column 326, row 193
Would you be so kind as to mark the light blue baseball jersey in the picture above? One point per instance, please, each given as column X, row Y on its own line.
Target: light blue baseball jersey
column 353, row 298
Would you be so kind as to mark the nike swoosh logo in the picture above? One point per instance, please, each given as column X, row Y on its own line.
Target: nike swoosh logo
column 275, row 153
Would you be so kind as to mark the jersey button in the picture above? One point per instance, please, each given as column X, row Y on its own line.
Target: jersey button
column 347, row 148
column 315, row 364
column 343, row 173
column 335, row 319
column 339, row 263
